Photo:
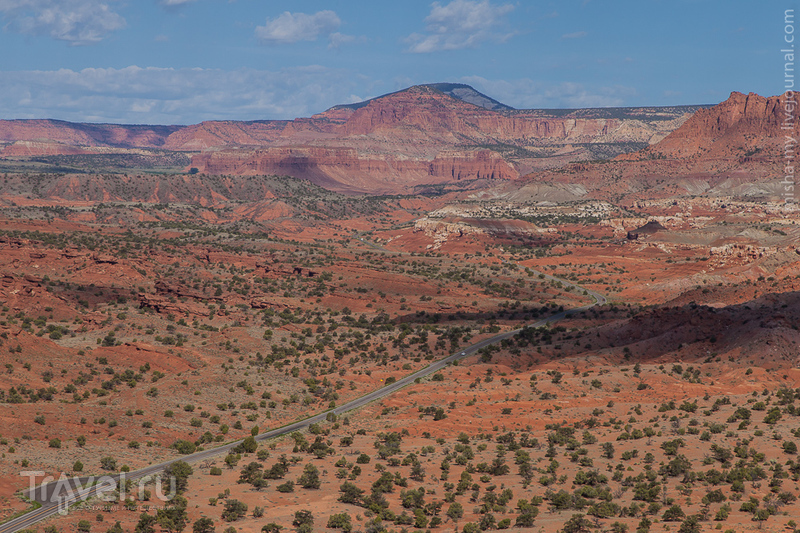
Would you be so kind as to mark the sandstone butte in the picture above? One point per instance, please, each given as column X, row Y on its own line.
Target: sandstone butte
column 736, row 146
column 753, row 122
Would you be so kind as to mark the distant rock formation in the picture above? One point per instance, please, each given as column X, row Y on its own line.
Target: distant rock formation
column 650, row 228
column 743, row 126
column 735, row 148
column 422, row 136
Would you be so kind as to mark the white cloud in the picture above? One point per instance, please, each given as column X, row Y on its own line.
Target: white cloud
column 336, row 39
column 170, row 3
column 75, row 21
column 294, row 27
column 529, row 94
column 460, row 24
column 135, row 95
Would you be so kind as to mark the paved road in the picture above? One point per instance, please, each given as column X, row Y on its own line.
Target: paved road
column 49, row 509
column 371, row 244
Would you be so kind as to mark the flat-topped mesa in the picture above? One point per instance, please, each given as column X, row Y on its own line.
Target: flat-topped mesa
column 444, row 133
column 86, row 135
column 434, row 112
column 424, row 135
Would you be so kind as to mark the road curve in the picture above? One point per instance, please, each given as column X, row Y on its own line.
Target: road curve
column 51, row 508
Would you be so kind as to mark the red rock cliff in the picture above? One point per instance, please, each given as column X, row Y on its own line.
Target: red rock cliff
column 742, row 121
column 346, row 170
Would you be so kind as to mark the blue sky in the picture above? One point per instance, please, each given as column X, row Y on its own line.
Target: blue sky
column 184, row 61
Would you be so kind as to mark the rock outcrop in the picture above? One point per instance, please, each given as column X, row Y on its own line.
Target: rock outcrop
column 38, row 148
column 744, row 126
column 422, row 136
column 77, row 134
column 733, row 149
column 163, row 304
column 441, row 229
column 345, row 169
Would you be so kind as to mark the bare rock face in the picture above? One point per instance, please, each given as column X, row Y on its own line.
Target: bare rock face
column 224, row 133
column 347, row 170
column 73, row 134
column 735, row 148
column 752, row 122
column 425, row 135
column 34, row 148
column 436, row 228
column 105, row 258
column 433, row 112
column 264, row 303
column 419, row 136
column 651, row 227
column 440, row 230
column 482, row 164
column 179, row 291
column 163, row 304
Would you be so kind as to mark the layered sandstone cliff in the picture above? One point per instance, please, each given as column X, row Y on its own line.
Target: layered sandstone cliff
column 743, row 123
column 345, row 169
column 38, row 148
column 76, row 134
column 424, row 135
column 736, row 148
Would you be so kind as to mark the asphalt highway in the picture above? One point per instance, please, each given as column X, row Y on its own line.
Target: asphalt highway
column 50, row 508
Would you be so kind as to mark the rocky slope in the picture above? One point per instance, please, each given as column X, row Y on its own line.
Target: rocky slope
column 750, row 122
column 85, row 135
column 424, row 135
column 345, row 169
column 735, row 148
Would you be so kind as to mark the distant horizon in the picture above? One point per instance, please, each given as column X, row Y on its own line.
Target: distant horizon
column 189, row 61
column 176, row 125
